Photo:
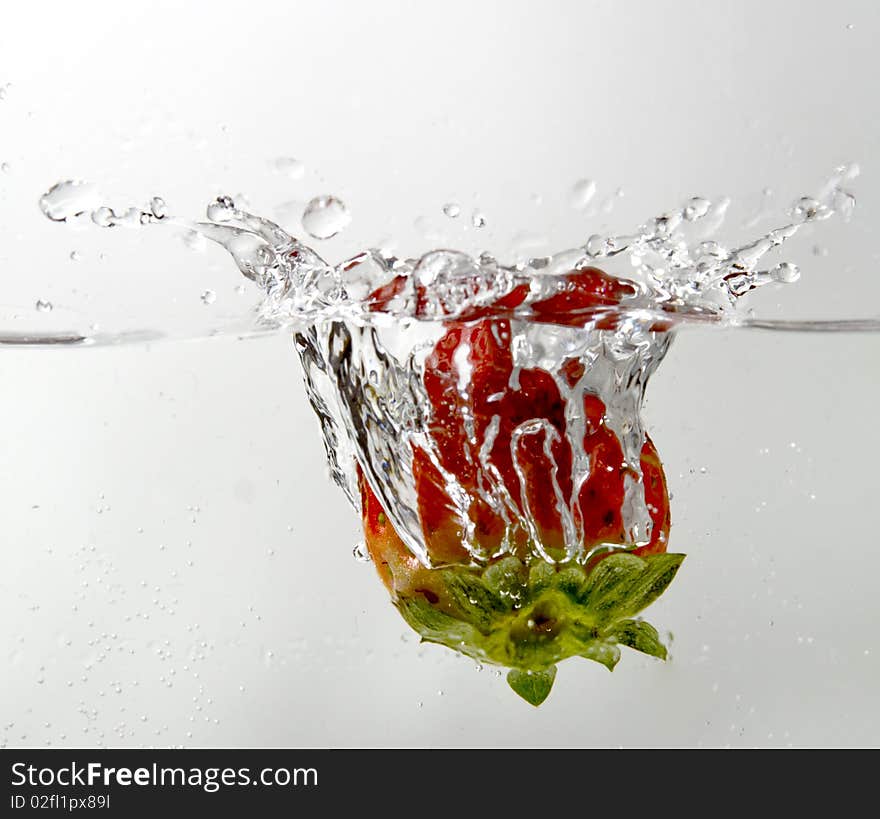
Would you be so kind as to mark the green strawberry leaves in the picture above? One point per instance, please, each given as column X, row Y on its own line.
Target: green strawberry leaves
column 507, row 578
column 641, row 636
column 533, row 686
column 479, row 605
column 528, row 618
column 623, row 584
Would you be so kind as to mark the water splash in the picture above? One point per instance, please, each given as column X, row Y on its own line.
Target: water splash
column 369, row 332
column 590, row 324
column 679, row 271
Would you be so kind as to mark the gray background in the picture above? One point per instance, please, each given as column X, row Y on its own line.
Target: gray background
column 176, row 566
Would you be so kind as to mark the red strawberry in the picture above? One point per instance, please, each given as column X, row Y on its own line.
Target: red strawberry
column 504, row 586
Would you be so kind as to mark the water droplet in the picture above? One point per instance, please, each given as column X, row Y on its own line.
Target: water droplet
column 103, row 217
column 43, row 306
column 478, row 220
column 68, row 199
column 361, row 553
column 325, row 216
column 844, row 203
column 75, row 256
column 598, row 246
column 4, row 166
column 696, row 208
column 807, row 209
column 158, row 207
column 222, row 209
column 290, row 167
column 452, row 210
column 582, row 193
column 209, row 297
column 785, row 272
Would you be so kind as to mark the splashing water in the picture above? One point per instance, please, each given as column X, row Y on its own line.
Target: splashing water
column 371, row 332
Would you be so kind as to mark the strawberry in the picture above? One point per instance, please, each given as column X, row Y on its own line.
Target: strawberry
column 504, row 585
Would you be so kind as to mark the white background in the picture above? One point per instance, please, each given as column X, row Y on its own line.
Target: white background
column 238, row 616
